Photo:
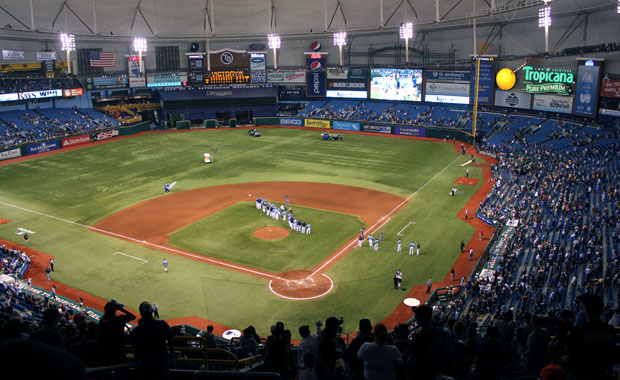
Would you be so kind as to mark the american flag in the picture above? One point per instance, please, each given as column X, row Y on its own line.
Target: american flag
column 100, row 59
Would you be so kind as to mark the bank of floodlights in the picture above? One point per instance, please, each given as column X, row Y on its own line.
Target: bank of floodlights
column 274, row 42
column 139, row 45
column 544, row 17
column 67, row 43
column 406, row 33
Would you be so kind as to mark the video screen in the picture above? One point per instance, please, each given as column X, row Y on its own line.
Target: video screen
column 396, row 84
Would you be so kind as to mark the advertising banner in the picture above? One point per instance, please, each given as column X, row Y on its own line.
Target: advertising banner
column 257, row 68
column 448, row 76
column 444, row 92
column 40, row 94
column 12, row 55
column 346, row 94
column 539, row 80
column 553, row 103
column 291, row 92
column 43, row 147
column 46, row 56
column 287, row 77
column 100, row 83
column 13, row 153
column 513, row 99
column 487, row 83
column 377, row 128
column 136, row 79
column 410, row 131
column 316, row 77
column 9, row 97
column 610, row 88
column 72, row 92
column 76, row 140
column 345, row 125
column 347, row 89
column 105, row 135
column 175, row 79
column 587, row 89
column 291, row 121
column 314, row 123
column 348, row 74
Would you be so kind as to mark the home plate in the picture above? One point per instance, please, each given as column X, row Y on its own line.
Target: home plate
column 411, row 301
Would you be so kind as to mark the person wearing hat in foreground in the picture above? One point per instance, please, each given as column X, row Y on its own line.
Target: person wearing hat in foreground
column 429, row 349
column 331, row 347
column 152, row 343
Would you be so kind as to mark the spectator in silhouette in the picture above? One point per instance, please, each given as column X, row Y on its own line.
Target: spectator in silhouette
column 111, row 333
column 536, row 354
column 331, row 347
column 209, row 337
column 429, row 346
column 48, row 331
column 381, row 360
column 277, row 350
column 248, row 346
column 152, row 342
column 309, row 345
column 364, row 335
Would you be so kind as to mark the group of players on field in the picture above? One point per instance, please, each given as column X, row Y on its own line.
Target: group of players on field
column 284, row 212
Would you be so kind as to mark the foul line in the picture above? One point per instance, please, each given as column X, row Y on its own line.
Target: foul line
column 169, row 249
column 128, row 255
column 400, row 232
column 374, row 227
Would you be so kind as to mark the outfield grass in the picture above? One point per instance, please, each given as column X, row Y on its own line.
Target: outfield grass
column 239, row 245
column 86, row 185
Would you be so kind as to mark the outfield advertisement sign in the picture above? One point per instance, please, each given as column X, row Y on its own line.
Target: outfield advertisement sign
column 75, row 140
column 513, row 99
column 9, row 97
column 291, row 121
column 610, row 88
column 553, row 103
column 314, row 123
column 316, row 77
column 377, row 128
column 350, row 74
column 487, row 81
column 287, row 77
column 43, row 147
column 345, row 125
column 410, row 131
column 8, row 154
column 40, row 94
column 586, row 97
column 105, row 135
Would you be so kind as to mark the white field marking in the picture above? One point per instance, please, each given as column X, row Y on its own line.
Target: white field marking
column 331, row 286
column 467, row 163
column 169, row 249
column 128, row 255
column 400, row 232
column 374, row 227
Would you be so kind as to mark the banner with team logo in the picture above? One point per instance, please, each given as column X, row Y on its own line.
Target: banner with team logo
column 314, row 123
column 315, row 77
column 13, row 55
column 46, row 56
column 513, row 99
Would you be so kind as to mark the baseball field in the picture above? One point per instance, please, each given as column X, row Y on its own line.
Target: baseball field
column 101, row 212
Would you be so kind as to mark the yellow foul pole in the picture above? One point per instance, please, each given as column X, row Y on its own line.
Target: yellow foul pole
column 476, row 97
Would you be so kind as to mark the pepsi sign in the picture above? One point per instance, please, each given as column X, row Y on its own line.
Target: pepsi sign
column 316, row 77
column 315, row 46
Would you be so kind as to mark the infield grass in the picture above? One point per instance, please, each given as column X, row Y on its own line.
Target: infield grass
column 84, row 186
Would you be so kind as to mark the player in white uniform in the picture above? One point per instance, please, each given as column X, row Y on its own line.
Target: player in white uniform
column 398, row 248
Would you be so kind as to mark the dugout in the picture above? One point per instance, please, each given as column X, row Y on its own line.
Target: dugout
column 226, row 104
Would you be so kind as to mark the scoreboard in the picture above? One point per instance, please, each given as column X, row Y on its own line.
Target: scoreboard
column 227, row 77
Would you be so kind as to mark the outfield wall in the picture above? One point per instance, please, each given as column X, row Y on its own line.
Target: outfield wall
column 373, row 127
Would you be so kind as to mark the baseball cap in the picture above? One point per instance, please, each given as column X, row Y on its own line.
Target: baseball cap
column 332, row 322
column 553, row 372
column 423, row 312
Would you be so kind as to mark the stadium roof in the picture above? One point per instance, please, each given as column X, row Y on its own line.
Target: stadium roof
column 255, row 18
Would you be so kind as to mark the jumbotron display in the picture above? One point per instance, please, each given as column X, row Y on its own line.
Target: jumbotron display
column 396, row 84
column 227, row 77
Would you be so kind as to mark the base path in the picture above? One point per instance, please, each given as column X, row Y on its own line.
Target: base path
column 152, row 221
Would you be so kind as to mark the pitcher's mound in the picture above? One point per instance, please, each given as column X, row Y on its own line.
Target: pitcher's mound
column 271, row 233
column 298, row 285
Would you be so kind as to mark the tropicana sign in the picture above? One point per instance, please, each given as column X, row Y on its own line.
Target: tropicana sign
column 539, row 80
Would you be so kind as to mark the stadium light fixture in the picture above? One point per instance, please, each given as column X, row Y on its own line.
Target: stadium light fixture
column 274, row 42
column 618, row 6
column 406, row 32
column 340, row 40
column 139, row 45
column 544, row 21
column 67, row 43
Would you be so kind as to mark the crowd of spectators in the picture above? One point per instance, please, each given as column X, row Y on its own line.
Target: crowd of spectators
column 12, row 260
column 33, row 126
